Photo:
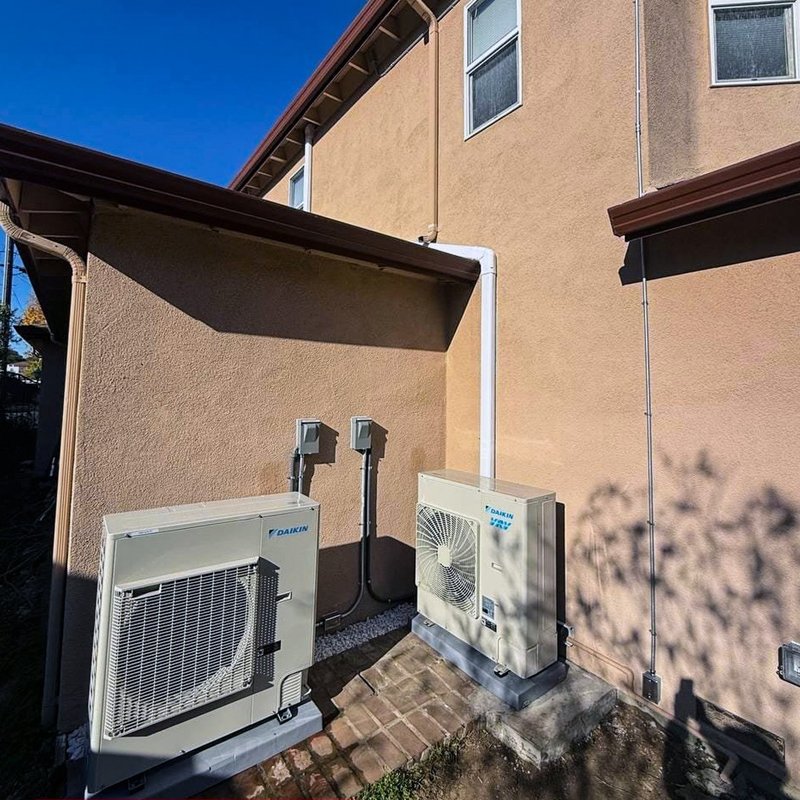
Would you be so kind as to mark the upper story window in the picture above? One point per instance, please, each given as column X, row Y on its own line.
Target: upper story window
column 752, row 42
column 491, row 62
column 297, row 190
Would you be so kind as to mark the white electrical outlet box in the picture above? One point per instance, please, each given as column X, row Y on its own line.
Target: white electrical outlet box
column 307, row 437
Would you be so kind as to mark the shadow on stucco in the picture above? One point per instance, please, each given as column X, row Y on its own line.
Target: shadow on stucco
column 236, row 285
column 763, row 232
column 727, row 565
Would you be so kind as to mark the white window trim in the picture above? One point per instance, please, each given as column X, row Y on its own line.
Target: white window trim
column 712, row 40
column 470, row 67
column 292, row 177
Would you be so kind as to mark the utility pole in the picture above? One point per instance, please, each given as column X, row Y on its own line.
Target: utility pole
column 8, row 274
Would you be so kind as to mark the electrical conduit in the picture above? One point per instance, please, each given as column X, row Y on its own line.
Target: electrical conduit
column 66, row 471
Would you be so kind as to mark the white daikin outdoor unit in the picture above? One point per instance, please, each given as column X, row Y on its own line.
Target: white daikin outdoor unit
column 486, row 567
column 204, row 626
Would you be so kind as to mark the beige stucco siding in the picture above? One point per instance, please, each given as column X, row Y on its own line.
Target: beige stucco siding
column 535, row 186
column 202, row 349
column 691, row 127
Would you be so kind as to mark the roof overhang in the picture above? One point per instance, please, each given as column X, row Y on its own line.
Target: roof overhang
column 52, row 185
column 379, row 33
column 766, row 178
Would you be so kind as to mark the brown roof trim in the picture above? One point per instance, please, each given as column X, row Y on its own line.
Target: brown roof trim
column 765, row 178
column 344, row 49
column 50, row 162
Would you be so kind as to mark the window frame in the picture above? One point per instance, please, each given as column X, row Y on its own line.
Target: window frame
column 718, row 5
column 298, row 173
column 471, row 67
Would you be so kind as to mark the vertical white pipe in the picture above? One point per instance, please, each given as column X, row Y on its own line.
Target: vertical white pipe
column 488, row 392
column 488, row 369
column 308, row 165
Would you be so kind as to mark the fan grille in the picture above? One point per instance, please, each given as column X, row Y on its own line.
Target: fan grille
column 178, row 645
column 447, row 556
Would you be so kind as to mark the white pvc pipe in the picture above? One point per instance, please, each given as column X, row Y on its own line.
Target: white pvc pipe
column 488, row 398
column 308, row 159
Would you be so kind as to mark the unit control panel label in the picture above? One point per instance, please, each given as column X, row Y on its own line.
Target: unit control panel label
column 498, row 518
column 487, row 613
column 288, row 531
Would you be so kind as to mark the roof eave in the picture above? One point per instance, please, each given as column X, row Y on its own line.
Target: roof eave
column 766, row 178
column 30, row 157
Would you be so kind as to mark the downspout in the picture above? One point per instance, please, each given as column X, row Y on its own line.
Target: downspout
column 66, row 471
column 651, row 682
column 488, row 399
column 308, row 164
column 433, row 115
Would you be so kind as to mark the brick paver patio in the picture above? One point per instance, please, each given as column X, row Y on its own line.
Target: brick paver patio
column 383, row 705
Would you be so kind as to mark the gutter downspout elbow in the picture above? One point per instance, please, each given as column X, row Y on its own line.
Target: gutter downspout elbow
column 66, row 471
column 433, row 115
column 487, row 259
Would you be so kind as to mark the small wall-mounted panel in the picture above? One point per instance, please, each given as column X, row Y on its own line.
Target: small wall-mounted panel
column 360, row 433
column 307, row 437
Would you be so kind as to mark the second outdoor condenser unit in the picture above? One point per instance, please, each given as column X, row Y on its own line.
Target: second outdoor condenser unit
column 486, row 566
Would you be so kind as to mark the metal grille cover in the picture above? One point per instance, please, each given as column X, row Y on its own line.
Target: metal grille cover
column 447, row 556
column 179, row 644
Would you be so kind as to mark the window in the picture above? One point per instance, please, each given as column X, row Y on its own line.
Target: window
column 297, row 195
column 491, row 62
column 753, row 42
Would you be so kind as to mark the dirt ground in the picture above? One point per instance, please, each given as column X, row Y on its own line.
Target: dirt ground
column 26, row 526
column 628, row 756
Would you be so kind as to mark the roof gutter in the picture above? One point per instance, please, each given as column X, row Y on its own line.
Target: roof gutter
column 66, row 463
column 49, row 162
column 766, row 178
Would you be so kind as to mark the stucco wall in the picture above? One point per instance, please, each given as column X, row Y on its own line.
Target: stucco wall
column 535, row 186
column 201, row 350
column 693, row 127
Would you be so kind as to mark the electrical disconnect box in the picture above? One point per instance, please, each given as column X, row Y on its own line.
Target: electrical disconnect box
column 360, row 433
column 789, row 662
column 307, row 437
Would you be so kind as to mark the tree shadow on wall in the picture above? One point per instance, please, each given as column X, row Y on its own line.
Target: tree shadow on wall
column 726, row 580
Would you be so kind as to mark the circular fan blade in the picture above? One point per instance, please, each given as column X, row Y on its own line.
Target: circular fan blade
column 447, row 556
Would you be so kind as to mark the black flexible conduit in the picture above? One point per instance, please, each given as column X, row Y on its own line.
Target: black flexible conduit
column 368, row 527
column 365, row 563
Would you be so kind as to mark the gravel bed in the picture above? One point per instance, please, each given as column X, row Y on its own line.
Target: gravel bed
column 360, row 632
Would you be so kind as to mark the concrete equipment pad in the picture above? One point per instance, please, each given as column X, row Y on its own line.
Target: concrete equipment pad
column 194, row 772
column 550, row 725
column 515, row 691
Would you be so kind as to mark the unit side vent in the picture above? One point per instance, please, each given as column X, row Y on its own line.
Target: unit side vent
column 179, row 644
column 292, row 690
column 447, row 556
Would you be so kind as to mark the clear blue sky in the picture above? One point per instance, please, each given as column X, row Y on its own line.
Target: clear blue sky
column 187, row 86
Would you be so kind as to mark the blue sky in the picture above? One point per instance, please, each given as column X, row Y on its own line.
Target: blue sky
column 187, row 86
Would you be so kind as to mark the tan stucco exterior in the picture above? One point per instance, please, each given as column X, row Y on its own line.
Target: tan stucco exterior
column 201, row 351
column 535, row 186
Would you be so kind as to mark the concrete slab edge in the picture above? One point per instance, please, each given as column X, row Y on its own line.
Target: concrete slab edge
column 514, row 691
column 194, row 772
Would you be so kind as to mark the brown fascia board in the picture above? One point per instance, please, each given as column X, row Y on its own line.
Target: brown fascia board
column 344, row 49
column 30, row 157
column 763, row 179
